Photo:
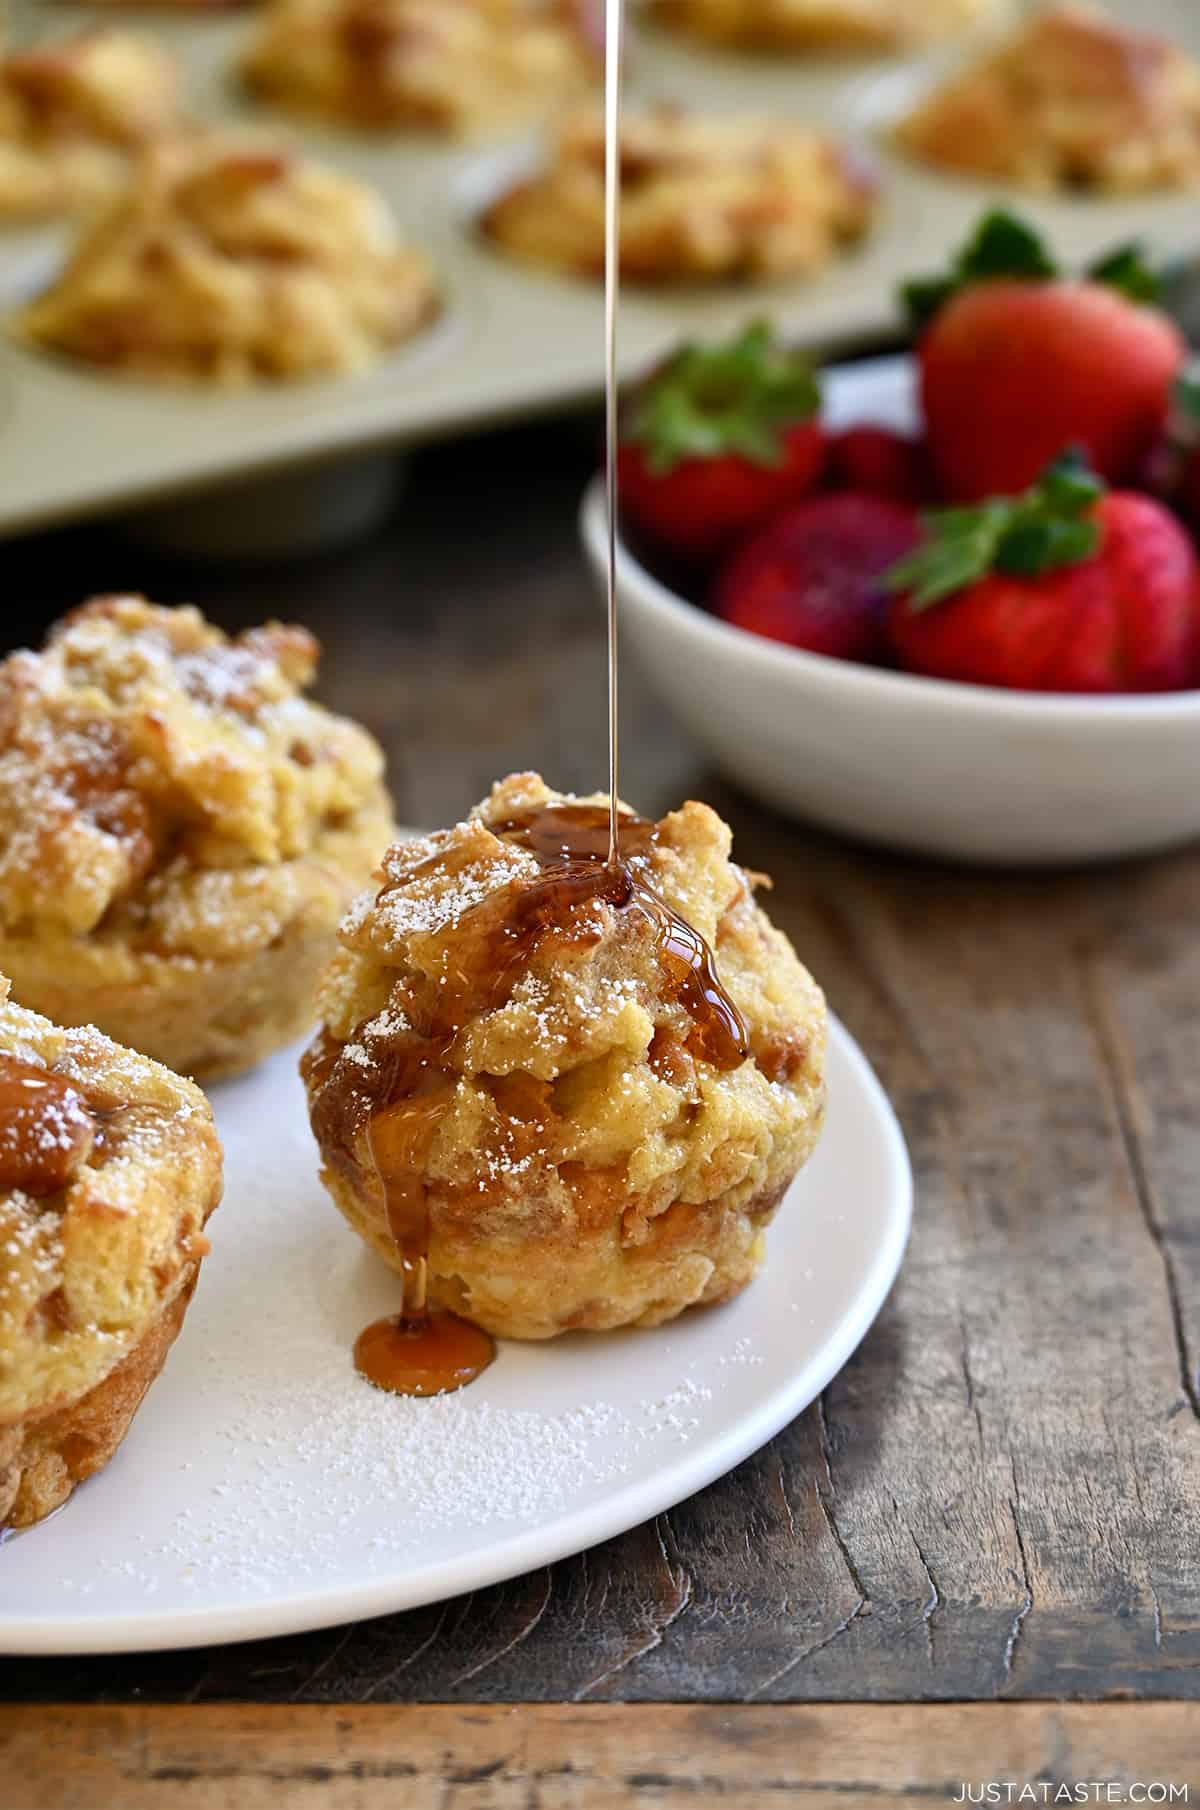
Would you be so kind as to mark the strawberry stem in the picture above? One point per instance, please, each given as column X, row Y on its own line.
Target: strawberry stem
column 1049, row 526
column 738, row 397
column 1003, row 245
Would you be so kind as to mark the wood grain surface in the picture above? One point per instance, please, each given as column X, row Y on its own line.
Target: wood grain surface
column 1000, row 1495
column 557, row 1757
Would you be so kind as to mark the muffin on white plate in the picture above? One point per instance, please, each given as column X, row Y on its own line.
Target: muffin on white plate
column 73, row 111
column 704, row 198
column 595, row 1085
column 109, row 1168
column 229, row 259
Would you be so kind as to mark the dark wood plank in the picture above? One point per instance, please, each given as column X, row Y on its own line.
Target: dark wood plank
column 1000, row 1495
column 584, row 1758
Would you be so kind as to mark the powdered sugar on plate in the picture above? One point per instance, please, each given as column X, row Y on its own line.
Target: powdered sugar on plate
column 266, row 1488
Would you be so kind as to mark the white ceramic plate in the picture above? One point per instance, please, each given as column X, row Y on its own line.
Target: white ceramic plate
column 265, row 1489
column 511, row 340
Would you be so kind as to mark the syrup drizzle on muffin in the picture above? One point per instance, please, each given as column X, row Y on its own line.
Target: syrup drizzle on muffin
column 46, row 1128
column 410, row 1068
column 586, row 855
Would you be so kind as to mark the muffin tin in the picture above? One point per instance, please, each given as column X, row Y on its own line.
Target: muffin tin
column 511, row 340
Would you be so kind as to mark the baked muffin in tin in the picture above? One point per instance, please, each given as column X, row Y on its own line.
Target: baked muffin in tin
column 704, row 198
column 73, row 111
column 1073, row 101
column 229, row 259
column 454, row 66
column 870, row 25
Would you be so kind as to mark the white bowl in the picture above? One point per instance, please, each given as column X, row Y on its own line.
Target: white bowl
column 966, row 771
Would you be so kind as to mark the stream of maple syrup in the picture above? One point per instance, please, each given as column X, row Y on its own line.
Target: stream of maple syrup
column 614, row 33
column 587, row 854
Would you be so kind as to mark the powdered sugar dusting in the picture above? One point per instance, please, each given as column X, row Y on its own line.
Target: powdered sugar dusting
column 394, row 1472
column 392, row 1476
column 265, row 1487
column 431, row 1465
column 433, row 908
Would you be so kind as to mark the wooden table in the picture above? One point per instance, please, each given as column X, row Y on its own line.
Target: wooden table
column 996, row 1503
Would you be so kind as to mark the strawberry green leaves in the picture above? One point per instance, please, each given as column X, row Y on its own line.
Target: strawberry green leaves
column 1001, row 246
column 1050, row 526
column 737, row 397
column 1005, row 247
column 1127, row 271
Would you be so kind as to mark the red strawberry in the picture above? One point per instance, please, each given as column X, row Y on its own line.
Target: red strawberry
column 716, row 440
column 881, row 462
column 811, row 577
column 1017, row 363
column 1066, row 588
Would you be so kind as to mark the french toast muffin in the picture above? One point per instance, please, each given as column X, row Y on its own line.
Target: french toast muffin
column 180, row 831
column 821, row 24
column 109, row 1168
column 1073, row 100
column 72, row 113
column 600, row 1113
column 455, row 66
column 229, row 259
column 703, row 199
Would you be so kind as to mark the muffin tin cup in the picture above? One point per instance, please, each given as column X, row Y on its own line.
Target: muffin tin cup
column 512, row 339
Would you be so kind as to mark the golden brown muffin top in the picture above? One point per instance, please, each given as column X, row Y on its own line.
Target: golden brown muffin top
column 197, row 6
column 702, row 196
column 228, row 258
column 585, row 1049
column 1072, row 99
column 109, row 1166
column 819, row 24
column 113, row 87
column 454, row 65
column 142, row 736
column 71, row 113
